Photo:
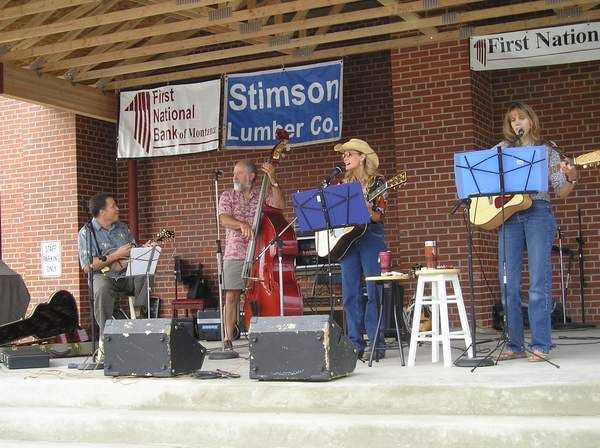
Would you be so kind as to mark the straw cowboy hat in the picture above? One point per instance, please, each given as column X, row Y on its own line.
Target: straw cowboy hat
column 358, row 145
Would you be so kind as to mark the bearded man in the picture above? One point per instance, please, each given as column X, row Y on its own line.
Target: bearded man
column 237, row 208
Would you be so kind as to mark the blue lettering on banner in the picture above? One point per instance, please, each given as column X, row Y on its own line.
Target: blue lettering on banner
column 305, row 101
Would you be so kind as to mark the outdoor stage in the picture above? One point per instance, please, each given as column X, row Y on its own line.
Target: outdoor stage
column 516, row 404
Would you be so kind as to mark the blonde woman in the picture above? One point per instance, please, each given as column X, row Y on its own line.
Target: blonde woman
column 532, row 229
column 361, row 259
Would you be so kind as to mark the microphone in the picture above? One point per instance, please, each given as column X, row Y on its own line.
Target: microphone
column 336, row 172
column 519, row 133
column 218, row 174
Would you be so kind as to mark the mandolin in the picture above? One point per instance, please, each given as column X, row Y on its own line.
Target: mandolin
column 121, row 264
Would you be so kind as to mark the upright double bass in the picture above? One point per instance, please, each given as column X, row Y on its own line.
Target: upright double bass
column 262, row 276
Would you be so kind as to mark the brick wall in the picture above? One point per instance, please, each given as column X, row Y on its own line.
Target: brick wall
column 96, row 172
column 39, row 183
column 433, row 112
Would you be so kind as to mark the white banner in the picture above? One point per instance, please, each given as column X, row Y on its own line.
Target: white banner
column 544, row 46
column 170, row 120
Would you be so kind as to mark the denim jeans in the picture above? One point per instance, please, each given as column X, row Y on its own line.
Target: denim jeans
column 362, row 259
column 532, row 229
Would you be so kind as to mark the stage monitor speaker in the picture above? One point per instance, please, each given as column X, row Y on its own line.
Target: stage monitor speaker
column 310, row 348
column 150, row 347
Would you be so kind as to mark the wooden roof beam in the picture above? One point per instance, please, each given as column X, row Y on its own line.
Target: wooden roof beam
column 340, row 36
column 199, row 23
column 29, row 8
column 197, row 42
column 370, row 47
column 26, row 85
column 104, row 19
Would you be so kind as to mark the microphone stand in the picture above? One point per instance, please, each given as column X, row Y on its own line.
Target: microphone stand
column 94, row 365
column 324, row 184
column 220, row 354
column 580, row 244
column 474, row 361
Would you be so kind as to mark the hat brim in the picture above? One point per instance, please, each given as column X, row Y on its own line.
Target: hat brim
column 361, row 147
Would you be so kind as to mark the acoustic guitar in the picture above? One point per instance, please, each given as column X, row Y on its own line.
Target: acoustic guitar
column 340, row 240
column 121, row 264
column 486, row 213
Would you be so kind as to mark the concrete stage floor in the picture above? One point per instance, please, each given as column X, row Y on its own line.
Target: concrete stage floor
column 387, row 404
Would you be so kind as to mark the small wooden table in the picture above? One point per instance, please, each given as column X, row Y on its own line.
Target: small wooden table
column 391, row 279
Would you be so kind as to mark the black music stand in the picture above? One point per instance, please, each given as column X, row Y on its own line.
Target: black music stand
column 327, row 208
column 492, row 172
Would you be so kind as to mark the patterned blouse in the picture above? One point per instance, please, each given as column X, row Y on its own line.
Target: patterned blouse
column 234, row 204
column 556, row 177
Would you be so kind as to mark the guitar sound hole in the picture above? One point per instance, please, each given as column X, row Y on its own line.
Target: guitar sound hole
column 502, row 200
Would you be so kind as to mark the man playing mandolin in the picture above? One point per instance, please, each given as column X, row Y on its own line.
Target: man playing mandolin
column 110, row 243
column 237, row 208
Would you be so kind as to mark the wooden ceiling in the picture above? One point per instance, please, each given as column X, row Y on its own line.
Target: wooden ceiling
column 70, row 53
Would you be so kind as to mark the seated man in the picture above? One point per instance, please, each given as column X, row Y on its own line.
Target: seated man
column 104, row 244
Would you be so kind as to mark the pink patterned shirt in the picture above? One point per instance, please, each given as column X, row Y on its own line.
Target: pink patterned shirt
column 233, row 203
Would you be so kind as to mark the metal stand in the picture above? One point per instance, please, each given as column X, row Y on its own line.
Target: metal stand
column 276, row 240
column 564, row 285
column 380, row 305
column 328, row 230
column 90, row 365
column 475, row 361
column 220, row 354
column 148, row 287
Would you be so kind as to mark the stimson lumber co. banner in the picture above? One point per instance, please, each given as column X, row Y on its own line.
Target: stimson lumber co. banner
column 170, row 120
column 544, row 46
column 306, row 101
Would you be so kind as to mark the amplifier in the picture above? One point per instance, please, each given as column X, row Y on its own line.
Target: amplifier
column 208, row 323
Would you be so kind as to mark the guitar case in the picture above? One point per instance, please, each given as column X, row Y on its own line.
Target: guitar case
column 57, row 316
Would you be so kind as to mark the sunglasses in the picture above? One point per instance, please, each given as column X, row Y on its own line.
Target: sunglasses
column 348, row 154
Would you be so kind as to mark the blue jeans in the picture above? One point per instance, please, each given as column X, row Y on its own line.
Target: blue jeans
column 532, row 229
column 362, row 259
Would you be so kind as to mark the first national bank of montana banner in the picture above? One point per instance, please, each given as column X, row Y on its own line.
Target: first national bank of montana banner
column 542, row 46
column 170, row 120
column 306, row 101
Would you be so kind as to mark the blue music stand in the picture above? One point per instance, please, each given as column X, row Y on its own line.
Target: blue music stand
column 480, row 173
column 329, row 208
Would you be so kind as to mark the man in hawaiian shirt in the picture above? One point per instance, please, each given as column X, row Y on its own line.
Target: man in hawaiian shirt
column 237, row 208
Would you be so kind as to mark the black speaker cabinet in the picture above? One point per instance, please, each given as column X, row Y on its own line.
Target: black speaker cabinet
column 150, row 347
column 310, row 348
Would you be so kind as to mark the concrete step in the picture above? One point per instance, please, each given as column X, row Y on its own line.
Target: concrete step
column 185, row 429
column 343, row 396
column 43, row 444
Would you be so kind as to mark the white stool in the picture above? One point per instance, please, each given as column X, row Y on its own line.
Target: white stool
column 438, row 300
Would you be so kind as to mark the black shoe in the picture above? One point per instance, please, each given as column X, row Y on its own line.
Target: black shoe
column 379, row 353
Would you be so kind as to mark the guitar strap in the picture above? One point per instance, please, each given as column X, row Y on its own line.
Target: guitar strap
column 95, row 239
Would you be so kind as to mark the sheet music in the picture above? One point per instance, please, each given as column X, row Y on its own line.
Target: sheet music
column 139, row 259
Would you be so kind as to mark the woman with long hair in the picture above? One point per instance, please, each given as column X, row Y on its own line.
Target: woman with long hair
column 533, row 229
column 361, row 259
